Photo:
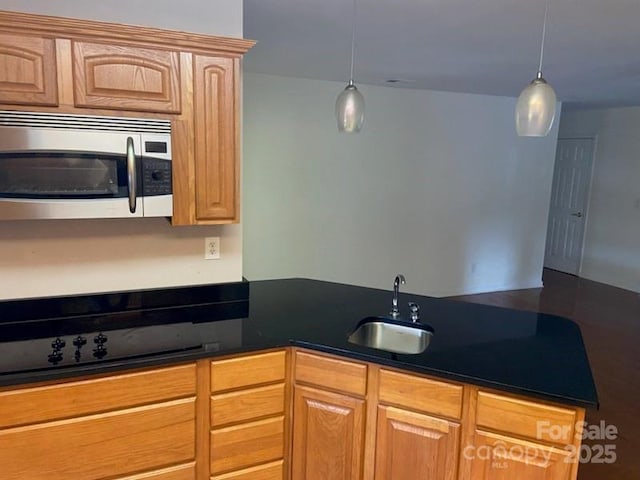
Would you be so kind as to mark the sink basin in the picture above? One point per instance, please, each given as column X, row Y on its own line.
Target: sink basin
column 391, row 335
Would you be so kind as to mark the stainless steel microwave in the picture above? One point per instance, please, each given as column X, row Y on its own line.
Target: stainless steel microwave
column 78, row 166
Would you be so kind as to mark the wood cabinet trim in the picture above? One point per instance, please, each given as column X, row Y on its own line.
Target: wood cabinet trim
column 120, row 33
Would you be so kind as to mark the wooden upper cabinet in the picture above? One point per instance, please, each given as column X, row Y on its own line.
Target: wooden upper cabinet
column 217, row 173
column 28, row 70
column 126, row 77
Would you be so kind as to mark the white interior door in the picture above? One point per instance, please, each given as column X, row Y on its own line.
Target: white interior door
column 569, row 197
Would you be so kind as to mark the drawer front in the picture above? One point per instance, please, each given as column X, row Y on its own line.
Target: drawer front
column 246, row 445
column 341, row 375
column 423, row 394
column 179, row 472
column 528, row 419
column 121, row 443
column 269, row 471
column 246, row 405
column 247, row 371
column 40, row 404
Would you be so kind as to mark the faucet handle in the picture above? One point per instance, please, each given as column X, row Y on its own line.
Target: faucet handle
column 414, row 312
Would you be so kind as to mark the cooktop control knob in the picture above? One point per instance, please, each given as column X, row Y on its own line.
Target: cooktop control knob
column 58, row 344
column 55, row 357
column 100, row 339
column 100, row 352
column 79, row 341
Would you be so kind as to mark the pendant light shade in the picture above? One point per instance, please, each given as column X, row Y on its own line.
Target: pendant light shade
column 350, row 102
column 350, row 109
column 536, row 109
column 536, row 106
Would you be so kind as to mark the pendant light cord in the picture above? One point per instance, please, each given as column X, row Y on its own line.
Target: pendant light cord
column 353, row 41
column 544, row 34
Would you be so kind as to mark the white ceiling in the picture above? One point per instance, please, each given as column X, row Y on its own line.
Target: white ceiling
column 592, row 52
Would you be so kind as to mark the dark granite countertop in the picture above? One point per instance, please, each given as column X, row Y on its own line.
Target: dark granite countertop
column 526, row 353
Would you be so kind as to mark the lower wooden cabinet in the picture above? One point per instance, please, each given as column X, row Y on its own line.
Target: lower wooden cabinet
column 248, row 426
column 253, row 417
column 499, row 457
column 414, row 445
column 328, row 434
column 72, row 431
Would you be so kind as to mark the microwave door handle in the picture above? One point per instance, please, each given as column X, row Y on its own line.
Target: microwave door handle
column 131, row 174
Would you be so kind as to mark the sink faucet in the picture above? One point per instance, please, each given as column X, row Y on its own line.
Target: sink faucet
column 395, row 312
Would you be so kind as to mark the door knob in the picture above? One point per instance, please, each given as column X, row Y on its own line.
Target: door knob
column 578, row 214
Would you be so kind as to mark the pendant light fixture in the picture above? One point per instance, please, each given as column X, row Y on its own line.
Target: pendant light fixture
column 350, row 102
column 536, row 106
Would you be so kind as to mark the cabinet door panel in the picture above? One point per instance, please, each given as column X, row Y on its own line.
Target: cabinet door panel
column 216, row 167
column 126, row 78
column 497, row 457
column 28, row 70
column 413, row 445
column 120, row 443
column 328, row 430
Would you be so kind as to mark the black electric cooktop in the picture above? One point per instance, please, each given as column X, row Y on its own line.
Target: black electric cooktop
column 90, row 330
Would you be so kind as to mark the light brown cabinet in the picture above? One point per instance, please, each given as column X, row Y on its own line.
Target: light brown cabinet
column 247, row 417
column 216, row 131
column 328, row 435
column 61, row 65
column 28, row 74
column 111, row 426
column 283, row 414
column 510, row 437
column 414, row 445
column 418, row 428
column 124, row 77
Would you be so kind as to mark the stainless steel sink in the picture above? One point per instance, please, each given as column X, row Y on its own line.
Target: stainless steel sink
column 392, row 335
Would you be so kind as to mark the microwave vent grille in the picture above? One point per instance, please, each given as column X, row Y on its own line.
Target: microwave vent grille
column 83, row 122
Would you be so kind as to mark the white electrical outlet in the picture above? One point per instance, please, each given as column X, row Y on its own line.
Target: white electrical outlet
column 212, row 248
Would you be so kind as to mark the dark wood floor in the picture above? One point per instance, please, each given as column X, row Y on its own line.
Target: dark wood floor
column 609, row 318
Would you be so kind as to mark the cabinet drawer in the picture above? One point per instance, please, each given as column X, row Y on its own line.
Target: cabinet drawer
column 269, row 471
column 245, row 445
column 121, row 443
column 126, row 78
column 248, row 370
column 245, row 405
column 51, row 402
column 423, row 394
column 528, row 419
column 340, row 375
